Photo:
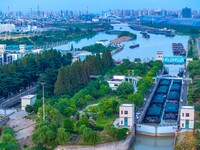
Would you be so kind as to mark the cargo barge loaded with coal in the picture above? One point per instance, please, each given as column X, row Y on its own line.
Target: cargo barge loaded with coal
column 161, row 116
column 178, row 49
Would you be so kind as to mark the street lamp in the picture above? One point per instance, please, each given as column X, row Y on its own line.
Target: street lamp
column 43, row 83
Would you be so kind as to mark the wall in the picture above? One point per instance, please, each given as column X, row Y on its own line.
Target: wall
column 156, row 130
column 148, row 103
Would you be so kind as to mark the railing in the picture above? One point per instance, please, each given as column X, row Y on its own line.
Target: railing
column 14, row 100
column 51, row 45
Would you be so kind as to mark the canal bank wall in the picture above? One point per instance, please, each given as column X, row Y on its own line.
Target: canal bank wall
column 119, row 145
column 117, row 50
column 151, row 130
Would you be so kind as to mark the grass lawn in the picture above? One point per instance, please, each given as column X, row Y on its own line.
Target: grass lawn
column 102, row 121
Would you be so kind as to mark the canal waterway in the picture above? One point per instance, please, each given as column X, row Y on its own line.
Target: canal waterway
column 146, row 51
column 153, row 143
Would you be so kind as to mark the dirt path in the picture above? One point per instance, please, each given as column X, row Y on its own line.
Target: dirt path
column 23, row 128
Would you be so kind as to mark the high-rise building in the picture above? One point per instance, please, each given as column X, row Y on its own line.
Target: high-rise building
column 186, row 13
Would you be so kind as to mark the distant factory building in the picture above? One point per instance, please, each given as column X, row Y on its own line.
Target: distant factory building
column 126, row 115
column 27, row 100
column 187, row 117
column 186, row 13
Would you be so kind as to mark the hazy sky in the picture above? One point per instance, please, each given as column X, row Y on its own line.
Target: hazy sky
column 96, row 5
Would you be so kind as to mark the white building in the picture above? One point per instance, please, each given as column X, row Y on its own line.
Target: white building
column 27, row 100
column 159, row 55
column 126, row 115
column 187, row 117
column 80, row 55
column 2, row 48
column 115, row 81
column 7, row 27
column 103, row 42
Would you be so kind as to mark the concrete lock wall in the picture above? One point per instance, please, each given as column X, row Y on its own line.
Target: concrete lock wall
column 166, row 129
column 156, row 130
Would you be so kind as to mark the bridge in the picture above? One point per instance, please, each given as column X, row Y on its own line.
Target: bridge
column 174, row 60
column 51, row 45
column 16, row 99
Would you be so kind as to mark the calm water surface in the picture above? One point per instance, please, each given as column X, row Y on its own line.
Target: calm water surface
column 153, row 143
column 146, row 51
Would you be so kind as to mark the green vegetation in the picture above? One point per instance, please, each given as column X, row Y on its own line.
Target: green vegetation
column 65, row 32
column 128, row 68
column 184, row 30
column 31, row 68
column 98, row 48
column 127, row 33
column 65, row 124
column 193, row 50
column 194, row 87
column 125, row 88
column 73, row 78
column 193, row 96
column 8, row 141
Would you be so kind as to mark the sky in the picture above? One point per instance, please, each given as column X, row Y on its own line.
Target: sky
column 96, row 5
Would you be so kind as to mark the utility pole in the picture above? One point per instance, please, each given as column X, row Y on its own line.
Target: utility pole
column 43, row 83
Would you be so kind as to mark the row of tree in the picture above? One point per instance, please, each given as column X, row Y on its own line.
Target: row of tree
column 25, row 72
column 8, row 141
column 97, row 48
column 194, row 87
column 72, row 78
column 128, row 68
column 144, row 84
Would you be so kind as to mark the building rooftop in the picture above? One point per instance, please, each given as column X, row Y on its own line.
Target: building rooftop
column 187, row 107
column 127, row 105
column 28, row 96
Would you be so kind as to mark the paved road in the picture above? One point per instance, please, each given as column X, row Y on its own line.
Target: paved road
column 185, row 89
column 15, row 99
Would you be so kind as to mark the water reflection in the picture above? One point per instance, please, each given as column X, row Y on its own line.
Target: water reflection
column 153, row 143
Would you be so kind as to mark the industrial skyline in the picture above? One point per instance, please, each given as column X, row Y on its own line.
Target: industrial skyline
column 91, row 6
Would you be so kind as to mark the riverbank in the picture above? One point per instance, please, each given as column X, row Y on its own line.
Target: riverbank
column 117, row 50
column 121, row 39
column 119, row 145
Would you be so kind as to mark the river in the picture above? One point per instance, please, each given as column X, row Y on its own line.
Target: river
column 146, row 51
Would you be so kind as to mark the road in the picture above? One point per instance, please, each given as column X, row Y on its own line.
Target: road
column 15, row 99
column 185, row 88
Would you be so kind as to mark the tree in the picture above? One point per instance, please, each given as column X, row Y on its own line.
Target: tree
column 125, row 88
column 122, row 134
column 137, row 60
column 62, row 137
column 135, row 98
column 68, row 125
column 44, row 135
column 89, row 136
column 37, row 104
column 29, row 108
